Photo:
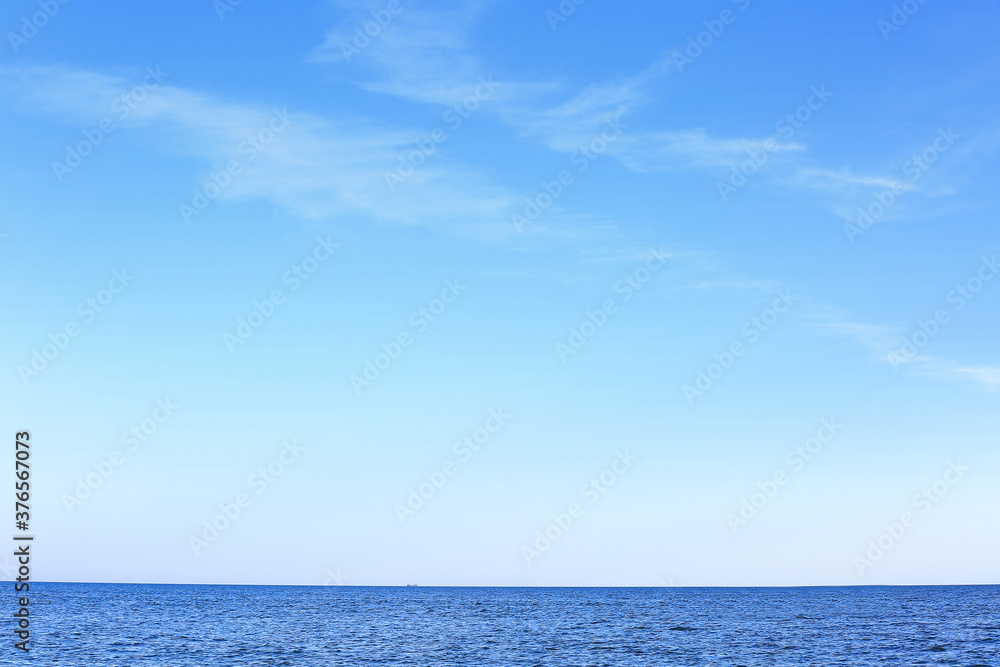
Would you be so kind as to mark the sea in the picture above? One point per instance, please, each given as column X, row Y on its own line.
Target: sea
column 98, row 625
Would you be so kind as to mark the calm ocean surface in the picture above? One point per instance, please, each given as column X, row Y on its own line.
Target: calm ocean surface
column 123, row 625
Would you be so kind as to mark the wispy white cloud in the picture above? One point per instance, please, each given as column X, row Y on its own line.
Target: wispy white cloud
column 425, row 56
column 420, row 54
column 883, row 345
column 565, row 125
column 987, row 376
column 651, row 151
column 878, row 339
column 843, row 179
column 318, row 167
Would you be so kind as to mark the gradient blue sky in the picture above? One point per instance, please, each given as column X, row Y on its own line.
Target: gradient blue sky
column 686, row 125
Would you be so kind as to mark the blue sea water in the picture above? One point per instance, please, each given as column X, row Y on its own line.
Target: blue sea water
column 101, row 625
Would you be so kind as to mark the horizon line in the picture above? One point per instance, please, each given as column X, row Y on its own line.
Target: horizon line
column 131, row 583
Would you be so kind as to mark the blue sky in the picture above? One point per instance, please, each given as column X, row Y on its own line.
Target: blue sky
column 659, row 243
